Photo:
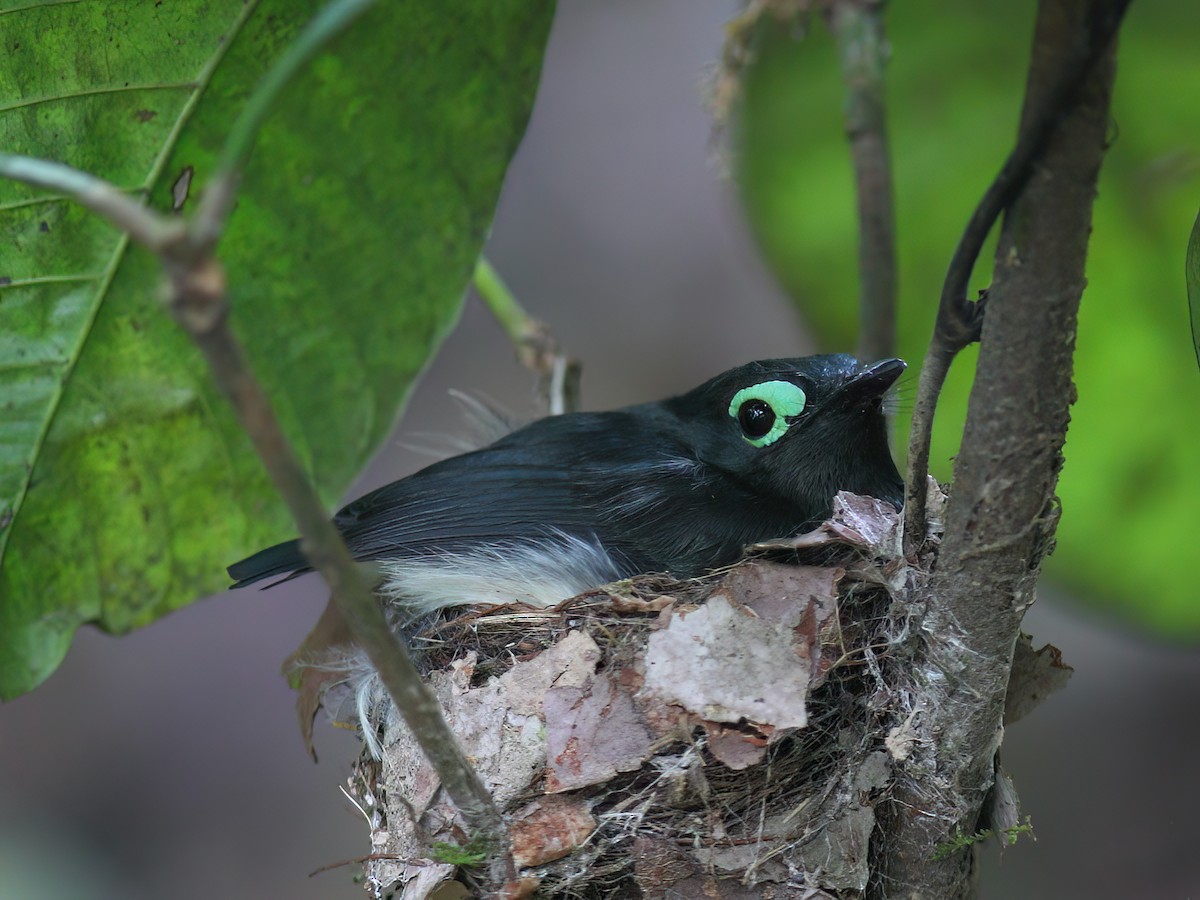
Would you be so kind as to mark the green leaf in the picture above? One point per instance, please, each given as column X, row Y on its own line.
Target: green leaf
column 1130, row 481
column 125, row 484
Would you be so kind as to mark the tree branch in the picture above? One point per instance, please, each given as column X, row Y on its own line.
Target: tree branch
column 1002, row 513
column 959, row 320
column 862, row 47
column 199, row 303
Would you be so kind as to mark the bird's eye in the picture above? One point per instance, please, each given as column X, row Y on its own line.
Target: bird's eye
column 756, row 418
column 763, row 410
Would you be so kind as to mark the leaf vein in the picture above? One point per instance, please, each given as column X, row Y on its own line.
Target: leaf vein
column 44, row 5
column 27, row 102
column 50, row 279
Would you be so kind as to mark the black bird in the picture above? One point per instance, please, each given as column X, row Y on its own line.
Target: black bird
column 571, row 502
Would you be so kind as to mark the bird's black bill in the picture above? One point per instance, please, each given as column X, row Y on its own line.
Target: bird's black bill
column 871, row 383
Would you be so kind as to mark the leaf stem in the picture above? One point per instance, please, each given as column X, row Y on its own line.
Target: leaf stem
column 217, row 202
column 503, row 304
column 536, row 347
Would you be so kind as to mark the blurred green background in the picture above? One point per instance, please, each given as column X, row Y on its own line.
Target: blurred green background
column 955, row 84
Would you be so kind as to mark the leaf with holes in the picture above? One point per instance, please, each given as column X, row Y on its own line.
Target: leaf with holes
column 125, row 484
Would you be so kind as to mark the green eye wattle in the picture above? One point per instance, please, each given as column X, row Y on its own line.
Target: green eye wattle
column 762, row 410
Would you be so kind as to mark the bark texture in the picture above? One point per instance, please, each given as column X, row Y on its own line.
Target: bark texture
column 1002, row 513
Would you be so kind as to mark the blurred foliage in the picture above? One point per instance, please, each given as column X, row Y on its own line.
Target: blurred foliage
column 126, row 485
column 955, row 84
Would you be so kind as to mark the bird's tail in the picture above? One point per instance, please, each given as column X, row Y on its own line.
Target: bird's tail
column 281, row 559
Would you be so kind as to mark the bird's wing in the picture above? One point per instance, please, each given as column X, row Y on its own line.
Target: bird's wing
column 536, row 481
column 622, row 482
column 500, row 493
column 626, row 483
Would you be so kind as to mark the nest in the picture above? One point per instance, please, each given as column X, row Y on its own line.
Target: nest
column 724, row 736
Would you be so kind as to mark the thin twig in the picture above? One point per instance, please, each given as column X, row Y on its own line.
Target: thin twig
column 217, row 201
column 862, row 47
column 108, row 201
column 200, row 306
column 536, row 347
column 934, row 369
column 959, row 320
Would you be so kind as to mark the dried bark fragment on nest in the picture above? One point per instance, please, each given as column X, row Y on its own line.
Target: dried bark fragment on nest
column 728, row 724
column 715, row 773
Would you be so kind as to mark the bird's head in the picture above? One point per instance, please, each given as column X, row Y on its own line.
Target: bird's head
column 798, row 430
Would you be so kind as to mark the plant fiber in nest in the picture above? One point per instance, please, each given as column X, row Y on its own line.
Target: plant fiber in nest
column 663, row 738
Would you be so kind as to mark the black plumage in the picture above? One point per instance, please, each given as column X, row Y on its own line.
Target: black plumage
column 677, row 486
